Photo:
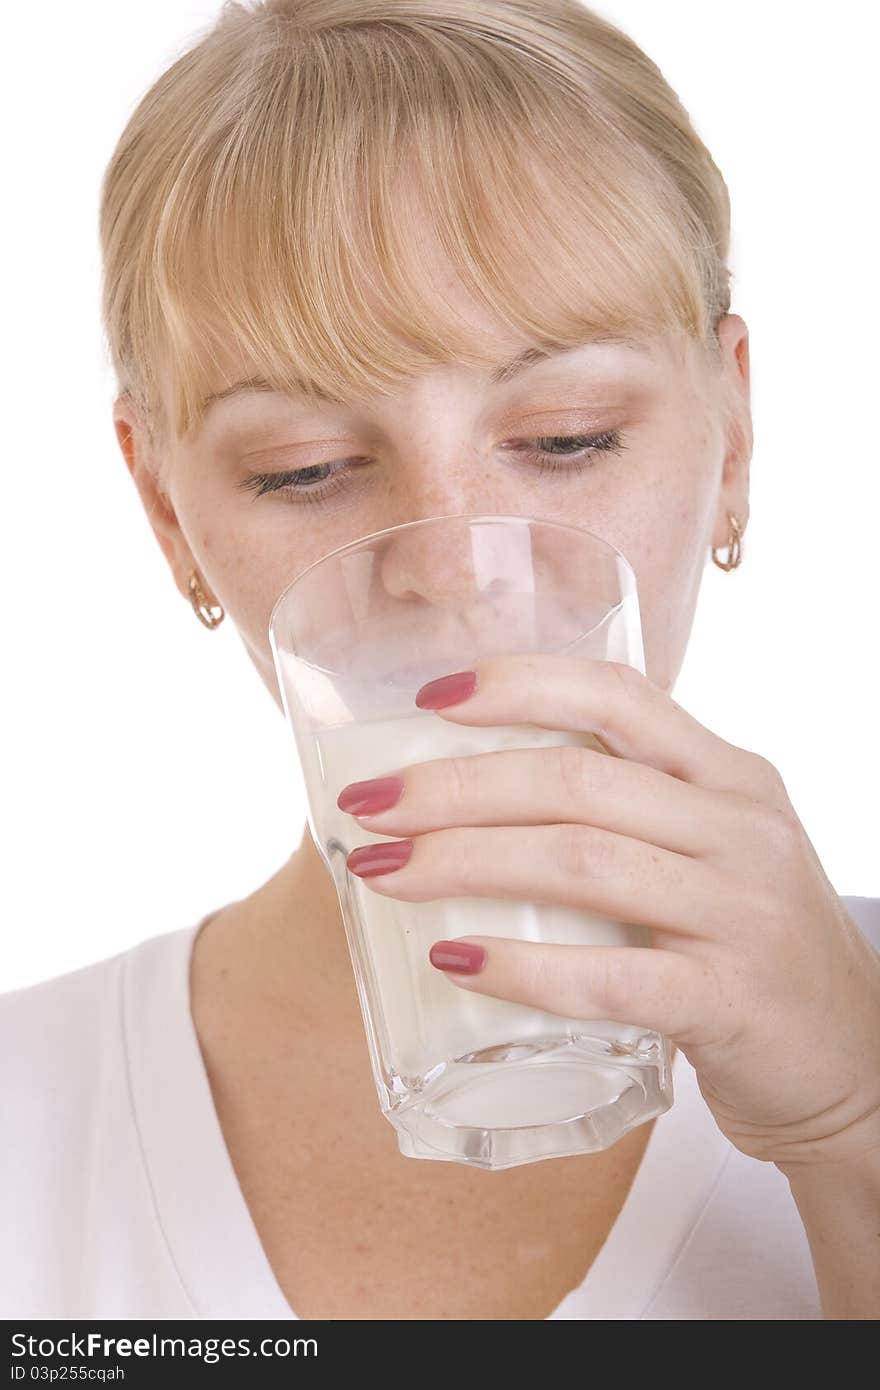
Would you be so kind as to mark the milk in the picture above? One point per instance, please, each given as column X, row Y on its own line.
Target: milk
column 436, row 1046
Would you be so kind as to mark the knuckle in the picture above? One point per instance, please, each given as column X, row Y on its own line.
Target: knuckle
column 768, row 777
column 580, row 852
column 626, row 692
column 538, row 976
column 461, row 781
column 462, row 860
column 766, row 910
column 626, row 677
column 779, row 829
column 581, row 771
column 610, row 983
column 571, row 851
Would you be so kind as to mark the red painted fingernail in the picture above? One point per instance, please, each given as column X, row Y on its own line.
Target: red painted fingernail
column 366, row 798
column 463, row 956
column 448, row 690
column 369, row 860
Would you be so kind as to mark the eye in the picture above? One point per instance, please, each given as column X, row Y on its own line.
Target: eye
column 577, row 451
column 299, row 484
column 551, row 453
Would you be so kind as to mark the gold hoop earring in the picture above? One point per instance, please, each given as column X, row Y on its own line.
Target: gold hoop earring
column 203, row 610
column 734, row 545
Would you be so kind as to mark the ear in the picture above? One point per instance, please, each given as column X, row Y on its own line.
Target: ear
column 733, row 337
column 144, row 465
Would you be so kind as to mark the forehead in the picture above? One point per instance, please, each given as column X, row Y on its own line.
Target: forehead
column 610, row 354
column 509, row 354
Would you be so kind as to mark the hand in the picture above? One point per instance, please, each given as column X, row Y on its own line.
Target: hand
column 755, row 970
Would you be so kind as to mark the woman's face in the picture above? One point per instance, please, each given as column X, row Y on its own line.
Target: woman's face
column 456, row 442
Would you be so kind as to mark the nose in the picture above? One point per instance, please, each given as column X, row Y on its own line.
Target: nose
column 460, row 585
column 463, row 557
column 432, row 560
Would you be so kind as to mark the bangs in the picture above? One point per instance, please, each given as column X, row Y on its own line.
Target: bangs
column 292, row 232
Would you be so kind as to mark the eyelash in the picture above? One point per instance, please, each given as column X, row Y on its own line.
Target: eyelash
column 609, row 441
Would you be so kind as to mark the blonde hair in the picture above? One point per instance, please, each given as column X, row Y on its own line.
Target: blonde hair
column 256, row 199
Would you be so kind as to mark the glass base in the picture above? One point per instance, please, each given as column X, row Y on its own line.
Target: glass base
column 549, row 1098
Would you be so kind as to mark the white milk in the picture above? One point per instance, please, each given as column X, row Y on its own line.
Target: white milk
column 434, row 1039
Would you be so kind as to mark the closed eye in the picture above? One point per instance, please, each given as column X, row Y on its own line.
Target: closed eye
column 307, row 485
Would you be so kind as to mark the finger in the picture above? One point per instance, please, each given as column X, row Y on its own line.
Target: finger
column 567, row 783
column 631, row 715
column 659, row 990
column 571, row 865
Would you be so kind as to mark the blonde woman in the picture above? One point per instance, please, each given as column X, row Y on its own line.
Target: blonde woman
column 367, row 261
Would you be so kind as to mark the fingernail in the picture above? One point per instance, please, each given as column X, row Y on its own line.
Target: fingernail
column 369, row 860
column 448, row 690
column 366, row 798
column 463, row 956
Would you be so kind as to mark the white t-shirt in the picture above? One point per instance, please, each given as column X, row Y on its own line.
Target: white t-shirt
column 118, row 1197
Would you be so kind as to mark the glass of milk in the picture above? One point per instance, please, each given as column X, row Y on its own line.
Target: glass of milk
column 461, row 1076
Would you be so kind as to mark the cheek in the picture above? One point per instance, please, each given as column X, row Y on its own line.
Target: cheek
column 664, row 539
column 247, row 557
column 668, row 547
column 247, row 577
column 675, row 529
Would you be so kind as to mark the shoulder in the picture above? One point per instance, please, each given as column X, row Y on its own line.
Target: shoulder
column 63, row 1032
column 76, row 1203
column 865, row 912
column 51, row 1033
column 65, row 1052
column 60, row 1061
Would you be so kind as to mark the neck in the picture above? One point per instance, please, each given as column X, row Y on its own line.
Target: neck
column 282, row 952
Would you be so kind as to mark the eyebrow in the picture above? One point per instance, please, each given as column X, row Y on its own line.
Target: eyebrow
column 501, row 375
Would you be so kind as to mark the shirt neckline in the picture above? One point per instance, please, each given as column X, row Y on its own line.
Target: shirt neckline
column 207, row 1226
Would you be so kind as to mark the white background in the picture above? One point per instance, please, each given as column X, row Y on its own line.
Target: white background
column 147, row 775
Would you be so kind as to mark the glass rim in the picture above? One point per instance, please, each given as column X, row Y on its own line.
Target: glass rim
column 433, row 520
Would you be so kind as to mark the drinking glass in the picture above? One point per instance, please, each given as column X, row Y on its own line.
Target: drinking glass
column 461, row 1076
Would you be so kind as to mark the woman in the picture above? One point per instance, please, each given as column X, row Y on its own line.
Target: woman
column 366, row 262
